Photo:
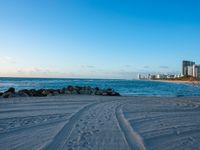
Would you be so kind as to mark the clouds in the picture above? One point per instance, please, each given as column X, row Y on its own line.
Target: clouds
column 146, row 67
column 164, row 67
column 7, row 60
column 76, row 72
column 10, row 67
column 27, row 72
column 88, row 66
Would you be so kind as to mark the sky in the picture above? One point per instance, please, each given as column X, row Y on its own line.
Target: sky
column 97, row 38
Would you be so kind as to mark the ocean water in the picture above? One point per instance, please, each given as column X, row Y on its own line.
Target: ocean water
column 125, row 87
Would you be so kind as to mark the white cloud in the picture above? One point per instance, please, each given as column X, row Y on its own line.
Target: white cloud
column 164, row 67
column 7, row 60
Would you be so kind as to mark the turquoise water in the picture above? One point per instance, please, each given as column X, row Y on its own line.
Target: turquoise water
column 125, row 87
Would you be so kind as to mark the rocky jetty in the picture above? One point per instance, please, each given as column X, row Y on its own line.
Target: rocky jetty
column 70, row 90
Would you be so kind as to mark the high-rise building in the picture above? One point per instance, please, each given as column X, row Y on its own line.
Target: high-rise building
column 139, row 76
column 190, row 70
column 196, row 70
column 185, row 66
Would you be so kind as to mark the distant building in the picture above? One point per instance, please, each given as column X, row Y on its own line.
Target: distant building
column 139, row 76
column 196, row 71
column 149, row 76
column 190, row 70
column 161, row 76
column 170, row 76
column 178, row 76
column 185, row 66
column 152, row 77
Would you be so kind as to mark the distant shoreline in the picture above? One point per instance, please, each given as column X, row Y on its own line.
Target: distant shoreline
column 179, row 81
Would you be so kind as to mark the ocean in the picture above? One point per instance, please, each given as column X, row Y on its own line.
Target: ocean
column 124, row 87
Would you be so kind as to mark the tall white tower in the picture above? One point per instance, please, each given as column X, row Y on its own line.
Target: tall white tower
column 139, row 76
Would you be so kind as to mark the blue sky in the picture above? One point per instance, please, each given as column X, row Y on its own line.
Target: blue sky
column 97, row 38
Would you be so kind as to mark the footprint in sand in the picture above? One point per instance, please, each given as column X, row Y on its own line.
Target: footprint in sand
column 96, row 131
column 102, row 124
column 85, row 122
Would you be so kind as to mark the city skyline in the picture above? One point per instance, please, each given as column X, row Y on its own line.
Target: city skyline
column 97, row 39
column 188, row 69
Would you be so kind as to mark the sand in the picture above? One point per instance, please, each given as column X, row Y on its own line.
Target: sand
column 100, row 123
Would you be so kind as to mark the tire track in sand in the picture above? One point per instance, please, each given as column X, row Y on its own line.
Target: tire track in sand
column 101, row 125
column 133, row 138
column 58, row 141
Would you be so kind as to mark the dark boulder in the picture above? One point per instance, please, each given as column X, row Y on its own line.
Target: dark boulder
column 109, row 91
column 70, row 88
column 61, row 91
column 65, row 91
column 12, row 90
column 97, row 89
column 78, row 89
column 113, row 94
column 41, row 93
column 32, row 92
column 7, row 94
column 104, row 94
column 45, row 93
column 98, row 92
column 86, row 90
column 24, row 93
column 55, row 92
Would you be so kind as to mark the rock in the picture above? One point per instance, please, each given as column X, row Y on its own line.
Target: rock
column 111, row 92
column 70, row 88
column 104, row 94
column 50, row 91
column 55, row 92
column 35, row 93
column 74, row 92
column 12, row 90
column 45, row 92
column 66, row 91
column 61, row 91
column 32, row 92
column 78, row 89
column 41, row 93
column 99, row 92
column 97, row 89
column 114, row 94
column 7, row 94
column 23, row 93
column 86, row 90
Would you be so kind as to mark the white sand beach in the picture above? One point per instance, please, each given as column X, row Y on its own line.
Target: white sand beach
column 99, row 123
